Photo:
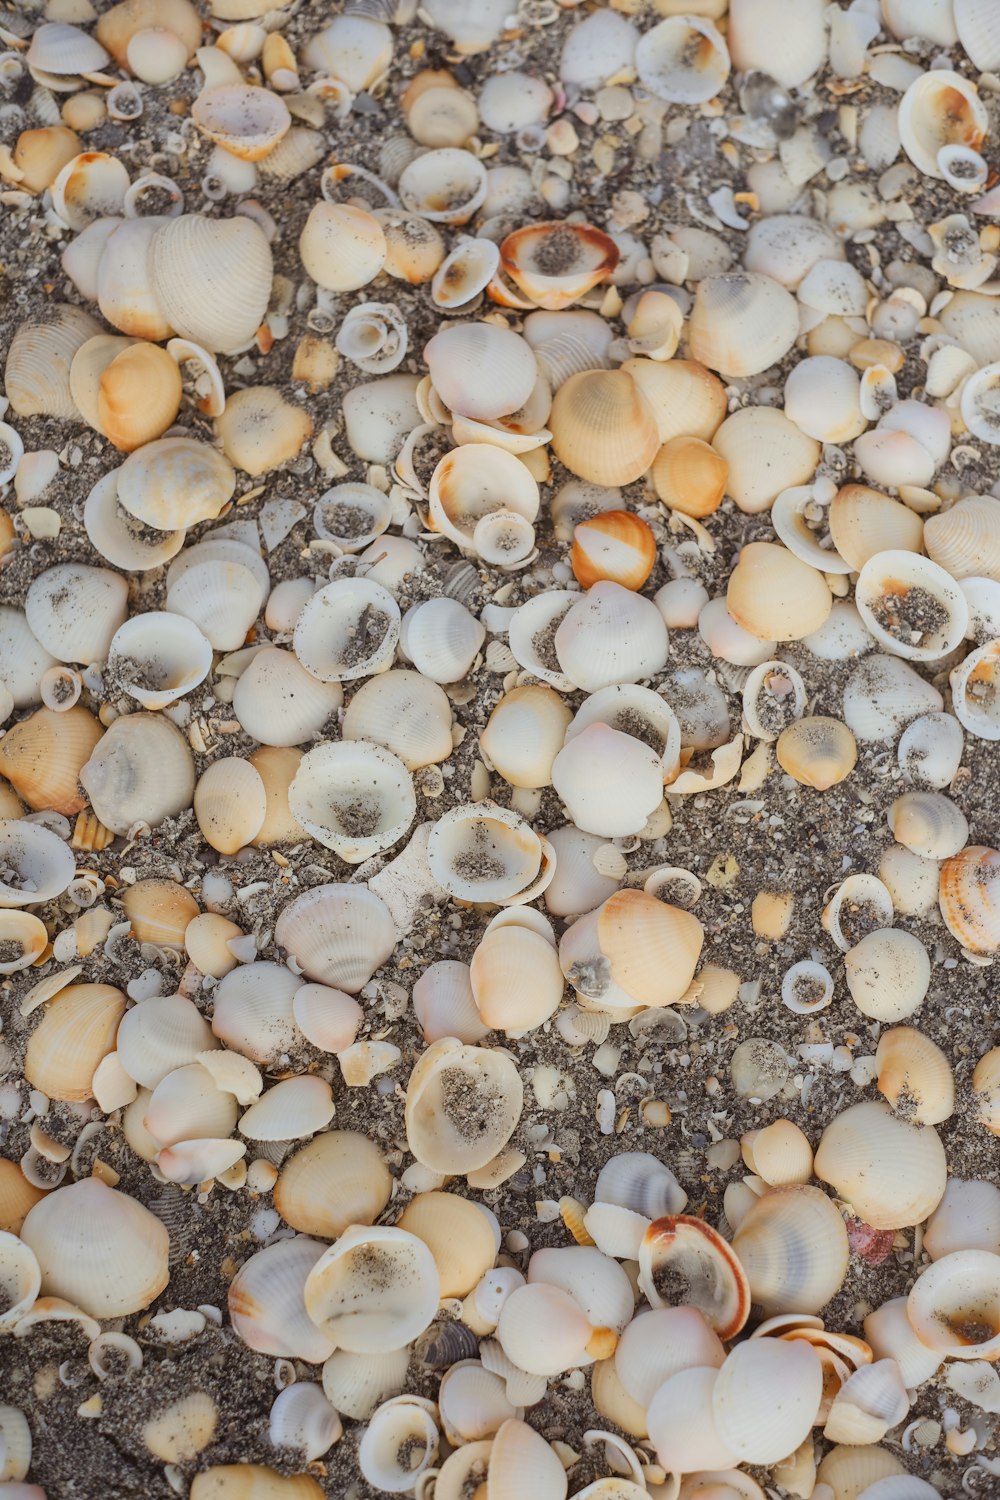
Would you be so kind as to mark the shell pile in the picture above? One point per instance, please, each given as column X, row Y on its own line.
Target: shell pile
column 499, row 687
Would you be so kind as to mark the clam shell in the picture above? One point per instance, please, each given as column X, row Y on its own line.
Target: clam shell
column 159, row 657
column 462, row 1106
column 353, row 797
column 260, row 430
column 246, row 121
column 294, row 1108
column 338, row 935
column 76, row 1031
column 969, row 897
column 175, row 482
column 336, row 1180
column 892, row 1173
column 212, row 278
column 682, row 1424
column 141, row 771
column 973, row 693
column 793, row 1246
column 741, row 323
column 74, row 610
column 610, row 635
column 473, row 481
column 126, row 292
column 766, row 453
column 516, row 980
column 342, row 1300
column 954, row 1306
column 911, row 605
column 681, row 1256
column 187, row 1104
column 303, row 1419
column 279, row 703
column 26, row 936
column 253, row 1010
column 614, row 956
column 37, row 865
column 484, row 853
column 348, row 629
column 603, row 427
column 915, row 1076
column 891, row 1336
column 555, row 263
column 683, row 60
column 23, row 660
column 461, row 1237
column 446, row 186
column 940, row 108
column 404, row 712
column 399, row 1445
column 266, row 1302
column 159, row 1035
column 441, row 638
column 766, row 1397
column 20, row 1278
column 122, row 539
column 41, row 757
column 230, row 803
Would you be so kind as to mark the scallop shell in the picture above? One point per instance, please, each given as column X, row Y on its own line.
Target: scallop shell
column 969, row 896
column 41, row 757
column 338, row 935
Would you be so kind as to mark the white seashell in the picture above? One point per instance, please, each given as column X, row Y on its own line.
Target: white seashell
column 404, row 712
column 79, row 1231
column 62, row 49
column 742, row 323
column 930, row 750
column 682, row 1425
column 798, row 522
column 278, row 702
column 191, row 1162
column 294, row 1108
column 480, row 370
column 175, row 482
column 448, row 1138
column 940, row 108
column 510, row 101
column 967, row 1218
column 911, row 605
column 789, row 247
column 728, row 640
column 793, row 1245
column 159, row 1035
column 141, row 770
column 953, row 1306
column 338, row 935
column 639, row 1182
column 597, row 1284
column 912, row 882
column 326, row 1017
column 158, row 657
column 593, row 760
column 516, row 980
column 23, row 661
column 343, row 1298
column 486, row 853
column 74, row 610
column 186, row 1104
column 871, row 1400
column 91, row 186
column 399, row 1444
column 774, row 696
column 531, row 635
column 766, row 1397
column 356, row 1383
column 473, row 1403
column 596, row 48
column 441, row 638
column 253, row 1010
column 374, row 337
column 356, row 49
column 806, row 987
column 35, row 864
column 119, row 537
column 766, row 454
column 891, row 1336
column 860, row 904
column 20, row 1279
column 568, row 343
column 82, row 256
column 266, row 1302
column 973, row 696
column 683, row 60
column 125, row 289
column 892, row 1173
column 883, row 695
column 353, row 797
column 468, row 269
column 659, row 1343
column 976, row 24
column 244, row 120
column 610, row 635
column 212, row 278
column 928, row 824
column 379, row 415
column 543, row 1330
column 302, row 1418
column 348, row 629
column 577, row 885
column 36, row 374
column 445, row 186
column 822, row 398
column 444, row 1004
column 804, row 42
column 983, row 598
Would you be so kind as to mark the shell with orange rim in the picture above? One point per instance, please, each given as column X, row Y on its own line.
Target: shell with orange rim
column 555, row 264
column 684, row 1261
column 614, row 545
column 969, row 897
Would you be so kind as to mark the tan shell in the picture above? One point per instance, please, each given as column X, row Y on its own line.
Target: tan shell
column 690, row 476
column 554, row 264
column 776, row 596
column 160, row 911
column 818, row 751
column 42, row 756
column 603, row 428
column 76, row 1031
column 338, row 1179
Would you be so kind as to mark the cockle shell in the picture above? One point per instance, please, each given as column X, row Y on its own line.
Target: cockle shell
column 342, row 1299
column 614, row 955
column 683, row 1258
column 969, row 897
column 862, row 1155
column 76, row 1031
column 793, row 1246
column 212, row 278
column 266, row 1301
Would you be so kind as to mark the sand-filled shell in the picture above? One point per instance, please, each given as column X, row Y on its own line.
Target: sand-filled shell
column 374, row 1290
column 603, row 428
column 954, row 1306
column 974, row 695
column 41, row 757
column 23, row 939
column 36, row 864
column 446, row 186
column 79, row 1232
column 940, row 108
column 616, row 956
column 353, row 797
column 462, row 1106
column 122, row 539
column 485, row 853
column 969, row 897
column 911, row 605
column 793, row 1247
column 554, row 264
column 212, row 278
column 159, row 657
column 683, row 1260
column 741, row 323
column 348, row 629
column 892, row 1173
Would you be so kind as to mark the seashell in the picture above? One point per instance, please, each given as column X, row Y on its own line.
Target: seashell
column 74, row 610
column 730, row 641
column 444, row 1004
column 614, row 956
column 802, row 54
column 79, row 1231
column 342, row 247
column 860, row 904
column 888, row 974
column 338, row 935
column 787, row 247
column 294, row 1108
column 337, row 1180
column 516, row 980
column 122, row 539
column 911, row 605
column 230, row 804
column 158, row 657
column 912, row 882
column 405, row 713
column 89, row 187
column 253, row 1010
column 690, row 476
column 35, row 864
column 793, row 1246
column 23, row 661
column 17, row 1196
column 778, row 1153
column 870, row 1401
column 543, row 1330
column 399, row 1445
column 23, row 939
column 159, row 1035
column 766, row 454
column 686, row 398
column 212, row 278
column 276, row 767
column 637, row 712
column 893, row 1174
column 953, row 1305
column 355, row 1383
column 806, row 987
column 480, row 370
column 883, row 695
column 326, row 1017
column 774, row 698
column 437, row 112
column 658, row 1344
column 531, row 635
column 62, row 49
column 985, row 1086
column 603, row 427
column 524, row 735
column 248, row 122
column 822, row 398
column 965, row 1219
column 486, row 853
column 41, row 757
column 817, row 751
column 616, row 546
column 556, row 263
column 302, row 1418
column 682, row 1257
column 446, row 186
column 374, row 337
column 173, row 483
column 342, row 1299
column 504, row 539
column 141, row 366
column 774, row 595
column 568, row 343
column 260, row 430
column 251, row 1481
column 441, row 638
column 347, row 629
column 188, row 1104
column 462, row 1106
column 940, row 108
column 466, row 271
column 512, row 100
column 890, row 1335
column 741, row 323
column 140, row 771
column 682, row 1425
column 473, row 1402
column 581, row 772
column 683, row 60
column 610, row 635
column 279, row 703
column 20, row 1278
column 765, row 1398
column 966, row 896
column 473, row 481
column 915, row 1076
column 929, row 824
column 357, row 49
column 459, row 1235
column 353, row 797
column 126, row 290
column 76, row 1031
column 266, row 1305
column 972, row 691
column 977, row 31
column 415, row 248
column 36, row 374
column 864, row 522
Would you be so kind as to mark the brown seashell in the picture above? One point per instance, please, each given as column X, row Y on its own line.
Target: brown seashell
column 969, row 897
column 616, row 545
column 554, row 264
column 603, row 428
column 42, row 757
column 77, row 1030
column 159, row 911
column 690, row 476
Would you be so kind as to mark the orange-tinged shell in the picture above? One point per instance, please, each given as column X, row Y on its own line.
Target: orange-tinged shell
column 336, row 1180
column 687, row 398
column 252, row 1482
column 555, row 264
column 969, row 897
column 42, row 757
column 776, row 596
column 160, row 911
column 17, row 1196
column 41, row 155
column 690, row 476
column 683, row 1257
column 818, row 751
column 77, row 1030
column 139, row 396
column 616, row 545
column 603, row 428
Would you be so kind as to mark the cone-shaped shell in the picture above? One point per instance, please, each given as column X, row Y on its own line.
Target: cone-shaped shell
column 76, row 1030
column 603, row 428
column 793, row 1246
column 893, row 1174
column 98, row 1248
column 42, row 756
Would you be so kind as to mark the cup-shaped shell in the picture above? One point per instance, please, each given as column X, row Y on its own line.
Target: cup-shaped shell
column 690, row 476
column 603, row 428
column 41, row 757
column 98, row 1248
column 302, row 1418
column 352, row 515
column 36, row 864
column 399, row 1445
column 462, row 1106
column 940, row 108
column 614, row 545
column 617, row 955
column 36, row 374
column 974, row 691
column 860, row 904
column 774, row 697
column 446, row 186
column 554, row 264
column 161, row 1034
column 683, row 60
column 348, row 629
column 140, row 771
column 963, row 540
column 516, row 980
column 610, row 635
column 892, row 1173
column 174, row 483
column 23, row 939
column 969, row 897
column 636, row 711
column 253, row 1011
column 589, row 763
column 817, row 751
column 888, row 974
column 337, row 1180
column 246, row 121
column 158, row 657
column 682, row 1259
column 266, row 1303
column 766, row 1398
column 338, row 935
column 374, row 1290
column 776, row 596
column 484, row 853
column 212, row 278
column 741, row 323
column 74, row 610
column 915, row 1076
column 911, row 605
column 472, row 482
column 531, row 635
column 20, row 1279
column 279, row 703
column 954, row 1306
column 76, row 1031
column 480, row 370
column 353, row 797
column 793, row 1246
column 465, row 272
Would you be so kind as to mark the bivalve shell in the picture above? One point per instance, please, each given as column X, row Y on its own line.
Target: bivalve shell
column 891, row 1172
